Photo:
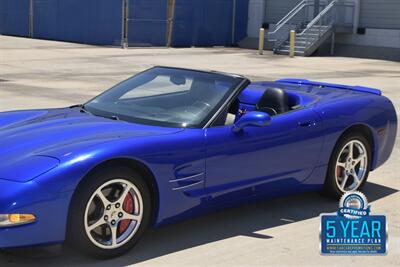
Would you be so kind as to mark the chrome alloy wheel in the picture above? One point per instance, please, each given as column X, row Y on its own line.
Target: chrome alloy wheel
column 113, row 214
column 351, row 166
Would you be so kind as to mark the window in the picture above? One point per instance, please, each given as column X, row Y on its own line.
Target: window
column 166, row 97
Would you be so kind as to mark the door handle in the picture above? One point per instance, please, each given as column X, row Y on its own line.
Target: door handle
column 306, row 124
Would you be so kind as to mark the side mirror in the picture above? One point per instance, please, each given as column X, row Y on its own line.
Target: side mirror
column 254, row 118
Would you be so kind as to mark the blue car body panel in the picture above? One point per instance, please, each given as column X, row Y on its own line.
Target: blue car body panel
column 332, row 85
column 46, row 154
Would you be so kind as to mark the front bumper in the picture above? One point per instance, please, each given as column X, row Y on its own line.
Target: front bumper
column 51, row 211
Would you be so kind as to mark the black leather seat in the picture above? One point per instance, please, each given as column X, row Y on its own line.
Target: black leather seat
column 274, row 101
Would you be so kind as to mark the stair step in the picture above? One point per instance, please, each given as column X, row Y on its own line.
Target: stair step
column 306, row 42
column 310, row 34
column 320, row 26
column 296, row 47
column 306, row 36
column 314, row 31
column 285, row 51
column 314, row 27
column 297, row 42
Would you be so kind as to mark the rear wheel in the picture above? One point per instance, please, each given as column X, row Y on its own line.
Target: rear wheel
column 109, row 212
column 349, row 165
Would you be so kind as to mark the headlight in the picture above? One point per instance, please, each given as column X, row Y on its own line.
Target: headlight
column 7, row 220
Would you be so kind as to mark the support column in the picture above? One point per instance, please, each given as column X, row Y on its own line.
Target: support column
column 316, row 8
column 333, row 44
column 256, row 17
column 30, row 33
column 356, row 16
column 125, row 14
column 170, row 22
column 233, row 21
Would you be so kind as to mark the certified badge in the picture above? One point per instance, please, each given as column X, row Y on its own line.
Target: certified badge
column 353, row 230
column 353, row 205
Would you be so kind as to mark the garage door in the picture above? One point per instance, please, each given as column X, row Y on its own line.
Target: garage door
column 90, row 21
column 14, row 17
column 202, row 23
column 147, row 22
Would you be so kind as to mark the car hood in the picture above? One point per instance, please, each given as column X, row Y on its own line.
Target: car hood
column 35, row 137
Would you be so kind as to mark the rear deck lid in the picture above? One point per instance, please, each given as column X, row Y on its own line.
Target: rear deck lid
column 332, row 85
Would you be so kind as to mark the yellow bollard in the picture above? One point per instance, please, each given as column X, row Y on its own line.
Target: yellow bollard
column 261, row 41
column 292, row 43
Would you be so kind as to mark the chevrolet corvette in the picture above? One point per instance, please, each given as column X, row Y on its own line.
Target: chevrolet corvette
column 171, row 143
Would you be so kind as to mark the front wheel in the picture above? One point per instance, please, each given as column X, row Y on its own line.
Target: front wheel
column 109, row 213
column 349, row 165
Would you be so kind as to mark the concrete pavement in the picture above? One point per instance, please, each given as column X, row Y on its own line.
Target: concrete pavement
column 38, row 74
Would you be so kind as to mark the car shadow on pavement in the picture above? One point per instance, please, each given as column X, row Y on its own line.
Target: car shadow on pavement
column 245, row 220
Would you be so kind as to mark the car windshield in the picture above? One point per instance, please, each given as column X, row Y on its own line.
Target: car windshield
column 166, row 97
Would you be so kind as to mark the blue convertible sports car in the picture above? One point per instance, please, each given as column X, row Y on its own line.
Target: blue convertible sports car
column 170, row 143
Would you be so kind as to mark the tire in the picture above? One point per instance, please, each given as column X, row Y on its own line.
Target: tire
column 337, row 171
column 87, row 204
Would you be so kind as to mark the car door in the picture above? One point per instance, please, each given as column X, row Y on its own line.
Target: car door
column 257, row 159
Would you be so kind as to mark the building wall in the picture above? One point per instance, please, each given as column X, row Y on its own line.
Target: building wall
column 372, row 37
column 267, row 11
column 380, row 14
column 139, row 22
column 256, row 17
column 381, row 20
column 14, row 17
column 209, row 22
column 277, row 9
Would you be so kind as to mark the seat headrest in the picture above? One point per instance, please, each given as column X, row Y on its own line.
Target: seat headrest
column 274, row 101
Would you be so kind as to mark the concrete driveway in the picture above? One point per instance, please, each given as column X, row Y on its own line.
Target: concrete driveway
column 37, row 74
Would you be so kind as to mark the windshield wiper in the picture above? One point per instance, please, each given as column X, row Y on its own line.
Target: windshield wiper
column 76, row 106
column 82, row 108
column 113, row 117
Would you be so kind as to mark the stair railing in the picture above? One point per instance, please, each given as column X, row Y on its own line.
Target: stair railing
column 290, row 15
column 319, row 25
column 331, row 16
column 281, row 31
column 295, row 19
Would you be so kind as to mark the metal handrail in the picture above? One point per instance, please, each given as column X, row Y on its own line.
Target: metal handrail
column 333, row 16
column 318, row 17
column 299, row 7
column 286, row 18
column 327, row 13
column 297, row 17
column 280, row 32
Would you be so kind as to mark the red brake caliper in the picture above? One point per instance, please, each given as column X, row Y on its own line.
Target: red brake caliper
column 339, row 171
column 128, row 207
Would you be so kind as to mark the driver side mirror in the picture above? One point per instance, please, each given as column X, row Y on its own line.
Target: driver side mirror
column 254, row 118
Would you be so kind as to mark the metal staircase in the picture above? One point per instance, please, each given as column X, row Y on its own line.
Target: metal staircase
column 334, row 16
column 306, row 44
